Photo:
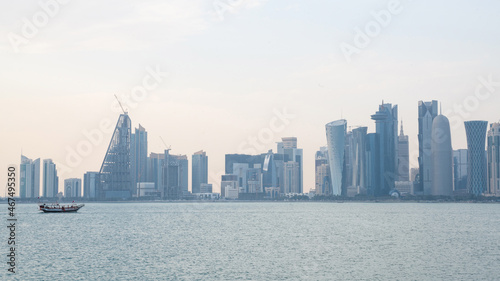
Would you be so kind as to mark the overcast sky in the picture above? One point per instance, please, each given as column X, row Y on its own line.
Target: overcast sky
column 237, row 71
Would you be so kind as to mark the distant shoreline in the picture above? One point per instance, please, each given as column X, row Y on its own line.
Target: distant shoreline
column 494, row 200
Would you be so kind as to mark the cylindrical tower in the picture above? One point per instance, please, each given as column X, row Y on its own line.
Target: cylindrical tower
column 335, row 138
column 442, row 157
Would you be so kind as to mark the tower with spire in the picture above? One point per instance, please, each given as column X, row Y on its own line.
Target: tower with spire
column 403, row 156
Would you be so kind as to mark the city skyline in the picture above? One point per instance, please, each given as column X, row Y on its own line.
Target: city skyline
column 232, row 80
column 348, row 166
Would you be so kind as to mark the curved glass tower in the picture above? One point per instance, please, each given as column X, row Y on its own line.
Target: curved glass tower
column 335, row 138
column 442, row 157
column 476, row 156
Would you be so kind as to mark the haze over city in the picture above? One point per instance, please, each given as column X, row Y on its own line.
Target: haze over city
column 232, row 72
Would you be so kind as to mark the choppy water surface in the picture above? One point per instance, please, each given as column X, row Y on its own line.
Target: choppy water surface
column 258, row 241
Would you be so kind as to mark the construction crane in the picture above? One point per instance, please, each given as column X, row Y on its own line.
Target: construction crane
column 166, row 146
column 124, row 112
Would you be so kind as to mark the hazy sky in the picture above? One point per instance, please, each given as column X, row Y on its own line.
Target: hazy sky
column 232, row 65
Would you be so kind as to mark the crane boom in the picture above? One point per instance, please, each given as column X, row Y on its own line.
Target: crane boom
column 124, row 112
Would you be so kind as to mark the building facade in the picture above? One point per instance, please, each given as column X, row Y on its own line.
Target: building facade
column 73, row 188
column 50, row 179
column 199, row 162
column 29, row 178
column 115, row 175
column 386, row 123
column 357, row 161
column 322, row 172
column 335, row 138
column 373, row 182
column 291, row 154
column 460, row 170
column 493, row 169
column 442, row 157
column 427, row 111
column 139, row 156
column 403, row 156
column 476, row 156
column 229, row 183
column 90, row 184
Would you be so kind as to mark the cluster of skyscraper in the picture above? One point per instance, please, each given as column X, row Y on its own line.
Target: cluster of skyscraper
column 377, row 164
column 357, row 162
column 265, row 175
column 353, row 162
column 126, row 171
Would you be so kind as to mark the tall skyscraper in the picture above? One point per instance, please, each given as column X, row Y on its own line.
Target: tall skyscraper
column 357, row 152
column 460, row 170
column 29, row 178
column 494, row 159
column 50, row 179
column 139, row 155
column 373, row 175
column 288, row 148
column 476, row 156
column 335, row 138
column 115, row 173
column 175, row 176
column 386, row 123
column 73, row 188
column 322, row 172
column 90, row 184
column 442, row 157
column 291, row 177
column 427, row 111
column 199, row 170
column 403, row 156
column 156, row 164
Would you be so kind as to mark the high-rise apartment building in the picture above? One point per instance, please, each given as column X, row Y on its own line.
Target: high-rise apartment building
column 199, row 162
column 476, row 156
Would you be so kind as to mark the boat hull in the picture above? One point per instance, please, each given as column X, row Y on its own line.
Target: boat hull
column 60, row 209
